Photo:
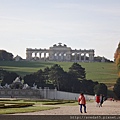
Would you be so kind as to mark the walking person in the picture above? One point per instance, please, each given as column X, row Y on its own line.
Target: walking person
column 82, row 102
column 101, row 100
column 97, row 97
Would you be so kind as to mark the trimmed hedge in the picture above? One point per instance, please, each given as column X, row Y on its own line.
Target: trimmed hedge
column 57, row 102
column 15, row 105
column 1, row 105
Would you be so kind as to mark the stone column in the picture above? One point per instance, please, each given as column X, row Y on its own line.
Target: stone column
column 44, row 56
column 35, row 56
column 29, row 55
column 91, row 56
column 62, row 57
column 80, row 56
column 68, row 57
column 56, row 57
column 40, row 55
column 75, row 57
column 84, row 56
column 59, row 57
column 51, row 56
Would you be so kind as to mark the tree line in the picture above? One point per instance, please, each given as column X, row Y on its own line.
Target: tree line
column 74, row 80
column 116, row 87
column 5, row 56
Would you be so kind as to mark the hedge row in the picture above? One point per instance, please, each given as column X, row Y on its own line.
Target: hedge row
column 15, row 105
column 59, row 102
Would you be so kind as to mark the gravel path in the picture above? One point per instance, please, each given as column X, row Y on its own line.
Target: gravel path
column 109, row 108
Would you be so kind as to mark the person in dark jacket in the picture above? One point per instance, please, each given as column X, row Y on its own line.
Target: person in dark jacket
column 101, row 100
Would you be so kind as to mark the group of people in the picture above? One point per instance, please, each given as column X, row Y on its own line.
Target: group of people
column 99, row 100
column 82, row 101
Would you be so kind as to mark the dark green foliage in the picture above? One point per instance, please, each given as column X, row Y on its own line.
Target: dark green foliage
column 3, row 73
column 29, row 79
column 72, row 81
column 88, row 86
column 56, row 75
column 7, row 77
column 5, row 56
column 40, row 79
column 78, row 71
column 100, row 88
column 118, row 81
column 46, row 74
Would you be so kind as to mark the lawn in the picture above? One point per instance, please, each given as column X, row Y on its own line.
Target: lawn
column 38, row 105
column 96, row 71
column 24, row 110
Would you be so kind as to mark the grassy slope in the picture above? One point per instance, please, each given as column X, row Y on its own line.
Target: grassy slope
column 101, row 72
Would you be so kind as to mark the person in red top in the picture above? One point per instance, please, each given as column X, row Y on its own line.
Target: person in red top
column 97, row 100
column 82, row 102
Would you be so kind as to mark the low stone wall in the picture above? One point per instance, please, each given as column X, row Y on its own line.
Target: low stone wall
column 45, row 93
column 20, row 93
column 54, row 94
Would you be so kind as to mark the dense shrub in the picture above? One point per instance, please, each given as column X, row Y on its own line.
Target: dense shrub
column 15, row 105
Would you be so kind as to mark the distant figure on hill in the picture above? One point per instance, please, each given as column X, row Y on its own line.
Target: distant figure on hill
column 82, row 102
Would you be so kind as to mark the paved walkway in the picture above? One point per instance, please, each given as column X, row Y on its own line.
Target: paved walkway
column 109, row 108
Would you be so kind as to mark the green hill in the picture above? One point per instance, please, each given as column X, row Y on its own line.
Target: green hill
column 97, row 71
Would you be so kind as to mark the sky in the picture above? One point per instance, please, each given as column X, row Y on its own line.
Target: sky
column 80, row 24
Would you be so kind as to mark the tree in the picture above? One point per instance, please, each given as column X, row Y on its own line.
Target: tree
column 116, row 88
column 36, row 78
column 88, row 86
column 71, row 81
column 117, row 58
column 5, row 55
column 100, row 88
column 29, row 79
column 78, row 71
column 40, row 79
column 56, row 75
column 9, row 77
column 3, row 73
column 74, row 85
column 46, row 74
